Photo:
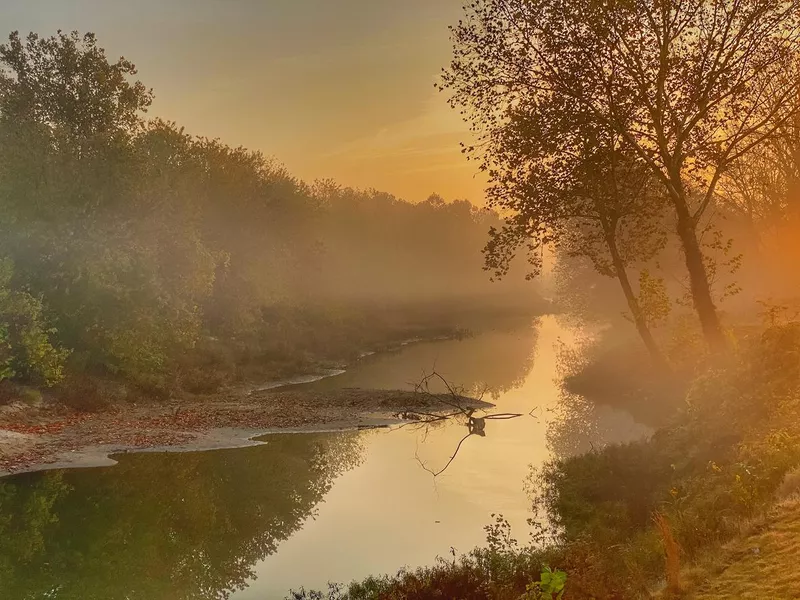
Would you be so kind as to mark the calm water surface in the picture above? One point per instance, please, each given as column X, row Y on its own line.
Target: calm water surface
column 303, row 509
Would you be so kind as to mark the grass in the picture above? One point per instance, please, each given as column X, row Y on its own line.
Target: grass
column 762, row 565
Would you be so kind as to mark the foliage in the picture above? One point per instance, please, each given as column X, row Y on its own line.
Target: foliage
column 551, row 586
column 653, row 299
column 162, row 527
column 144, row 245
column 66, row 82
column 26, row 350
column 687, row 88
column 501, row 570
column 714, row 467
column 566, row 182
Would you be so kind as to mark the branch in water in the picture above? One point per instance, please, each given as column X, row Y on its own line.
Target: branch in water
column 475, row 425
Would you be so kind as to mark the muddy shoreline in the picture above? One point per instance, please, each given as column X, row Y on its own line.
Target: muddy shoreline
column 52, row 436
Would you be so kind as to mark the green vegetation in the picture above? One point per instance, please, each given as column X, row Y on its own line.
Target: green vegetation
column 551, row 586
column 761, row 564
column 25, row 347
column 132, row 251
column 708, row 474
column 620, row 135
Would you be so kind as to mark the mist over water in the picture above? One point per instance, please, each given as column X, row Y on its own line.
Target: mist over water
column 303, row 509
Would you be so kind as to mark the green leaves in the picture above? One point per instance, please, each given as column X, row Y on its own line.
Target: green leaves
column 553, row 582
column 654, row 301
column 133, row 241
column 66, row 82
column 26, row 349
column 551, row 586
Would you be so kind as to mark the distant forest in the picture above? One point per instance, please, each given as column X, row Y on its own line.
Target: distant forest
column 133, row 250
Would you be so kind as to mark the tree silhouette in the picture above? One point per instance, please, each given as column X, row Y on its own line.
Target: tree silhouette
column 688, row 86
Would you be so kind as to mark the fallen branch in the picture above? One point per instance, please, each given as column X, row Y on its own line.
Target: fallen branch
column 475, row 425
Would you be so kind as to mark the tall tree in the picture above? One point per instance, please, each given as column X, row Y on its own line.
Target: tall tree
column 67, row 83
column 566, row 182
column 115, row 257
column 151, row 251
column 688, row 85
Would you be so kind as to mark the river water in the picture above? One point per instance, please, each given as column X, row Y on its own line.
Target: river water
column 305, row 509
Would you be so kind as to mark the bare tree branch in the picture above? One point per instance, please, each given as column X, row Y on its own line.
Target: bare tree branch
column 455, row 398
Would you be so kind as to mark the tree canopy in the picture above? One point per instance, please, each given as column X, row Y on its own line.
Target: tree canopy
column 687, row 86
column 130, row 246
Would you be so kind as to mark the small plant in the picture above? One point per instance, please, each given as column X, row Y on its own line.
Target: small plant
column 549, row 587
column 671, row 552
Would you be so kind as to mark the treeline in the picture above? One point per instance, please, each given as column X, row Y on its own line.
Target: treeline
column 130, row 248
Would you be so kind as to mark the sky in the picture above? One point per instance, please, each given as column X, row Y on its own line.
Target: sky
column 340, row 89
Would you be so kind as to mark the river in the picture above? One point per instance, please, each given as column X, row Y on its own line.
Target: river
column 304, row 509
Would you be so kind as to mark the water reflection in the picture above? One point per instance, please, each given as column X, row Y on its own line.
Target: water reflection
column 498, row 359
column 162, row 526
column 581, row 424
column 236, row 522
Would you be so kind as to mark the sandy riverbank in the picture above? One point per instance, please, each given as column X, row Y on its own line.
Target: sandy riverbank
column 53, row 436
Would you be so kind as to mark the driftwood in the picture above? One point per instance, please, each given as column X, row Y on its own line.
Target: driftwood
column 458, row 402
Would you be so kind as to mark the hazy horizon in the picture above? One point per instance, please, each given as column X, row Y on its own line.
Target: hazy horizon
column 327, row 93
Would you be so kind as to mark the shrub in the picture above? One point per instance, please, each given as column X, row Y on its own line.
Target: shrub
column 790, row 486
column 716, row 465
column 26, row 350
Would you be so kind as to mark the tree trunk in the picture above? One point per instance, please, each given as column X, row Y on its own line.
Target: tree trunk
column 633, row 304
column 698, row 280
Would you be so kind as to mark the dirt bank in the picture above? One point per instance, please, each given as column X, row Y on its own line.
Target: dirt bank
column 52, row 436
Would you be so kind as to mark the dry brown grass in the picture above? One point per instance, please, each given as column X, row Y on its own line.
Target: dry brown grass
column 672, row 553
column 790, row 486
column 764, row 565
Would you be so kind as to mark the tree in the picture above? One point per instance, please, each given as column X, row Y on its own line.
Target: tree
column 148, row 252
column 568, row 183
column 67, row 83
column 90, row 228
column 689, row 86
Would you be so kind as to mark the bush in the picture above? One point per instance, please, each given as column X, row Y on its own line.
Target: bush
column 790, row 486
column 716, row 465
column 624, row 516
column 83, row 392
column 26, row 350
column 502, row 570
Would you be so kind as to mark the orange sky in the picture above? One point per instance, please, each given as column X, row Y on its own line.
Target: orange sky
column 338, row 89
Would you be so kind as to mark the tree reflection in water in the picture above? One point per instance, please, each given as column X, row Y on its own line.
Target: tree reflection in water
column 495, row 359
column 181, row 526
column 163, row 526
column 578, row 424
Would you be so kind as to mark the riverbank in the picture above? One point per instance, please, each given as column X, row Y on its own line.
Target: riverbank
column 705, row 507
column 761, row 563
column 82, row 425
column 54, row 436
